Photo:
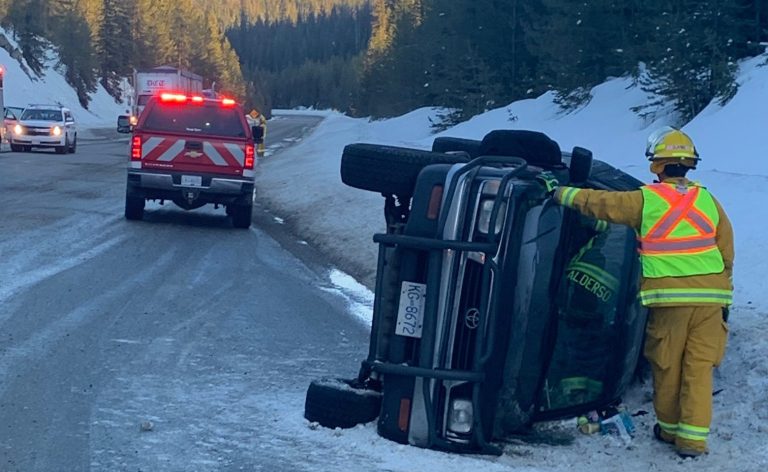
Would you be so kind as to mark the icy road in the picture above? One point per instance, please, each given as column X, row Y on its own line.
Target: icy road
column 177, row 343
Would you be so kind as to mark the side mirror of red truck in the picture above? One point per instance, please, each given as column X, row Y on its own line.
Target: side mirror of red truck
column 124, row 124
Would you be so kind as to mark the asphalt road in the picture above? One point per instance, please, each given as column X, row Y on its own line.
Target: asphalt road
column 177, row 343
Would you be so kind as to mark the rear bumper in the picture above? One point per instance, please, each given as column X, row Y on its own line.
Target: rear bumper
column 167, row 186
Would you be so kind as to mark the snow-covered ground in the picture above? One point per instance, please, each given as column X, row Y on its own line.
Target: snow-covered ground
column 21, row 89
column 303, row 187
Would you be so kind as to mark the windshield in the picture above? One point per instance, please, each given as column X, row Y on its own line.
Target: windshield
column 211, row 120
column 41, row 114
column 13, row 112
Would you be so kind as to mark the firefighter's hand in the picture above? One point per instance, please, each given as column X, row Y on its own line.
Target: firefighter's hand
column 549, row 181
column 726, row 313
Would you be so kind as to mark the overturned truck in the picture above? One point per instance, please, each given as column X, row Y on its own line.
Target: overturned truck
column 494, row 307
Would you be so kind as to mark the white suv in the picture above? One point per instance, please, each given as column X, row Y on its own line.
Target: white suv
column 45, row 126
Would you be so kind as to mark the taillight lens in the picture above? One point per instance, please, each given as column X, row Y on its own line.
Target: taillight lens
column 227, row 102
column 249, row 156
column 136, row 148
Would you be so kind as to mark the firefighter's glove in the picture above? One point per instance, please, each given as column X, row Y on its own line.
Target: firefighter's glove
column 549, row 181
column 726, row 313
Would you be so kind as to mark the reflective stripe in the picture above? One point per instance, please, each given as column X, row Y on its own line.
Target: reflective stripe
column 173, row 151
column 213, row 154
column 568, row 196
column 149, row 145
column 237, row 151
column 669, row 428
column 701, row 221
column 694, row 433
column 690, row 295
column 678, row 245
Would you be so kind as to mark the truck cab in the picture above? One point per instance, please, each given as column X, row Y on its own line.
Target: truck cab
column 192, row 151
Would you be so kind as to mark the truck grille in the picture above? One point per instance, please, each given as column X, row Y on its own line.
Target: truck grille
column 468, row 319
column 38, row 131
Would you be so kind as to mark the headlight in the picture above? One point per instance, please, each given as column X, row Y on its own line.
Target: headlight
column 18, row 129
column 460, row 416
column 484, row 220
column 56, row 131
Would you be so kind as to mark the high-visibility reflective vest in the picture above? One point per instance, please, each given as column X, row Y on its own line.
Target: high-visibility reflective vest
column 677, row 239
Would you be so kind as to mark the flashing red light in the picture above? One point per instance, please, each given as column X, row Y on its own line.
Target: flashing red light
column 173, row 97
column 249, row 156
column 197, row 99
column 227, row 102
column 136, row 148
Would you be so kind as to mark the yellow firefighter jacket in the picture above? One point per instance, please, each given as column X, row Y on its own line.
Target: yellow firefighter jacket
column 627, row 208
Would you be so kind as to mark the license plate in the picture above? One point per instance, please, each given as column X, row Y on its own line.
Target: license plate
column 410, row 314
column 191, row 181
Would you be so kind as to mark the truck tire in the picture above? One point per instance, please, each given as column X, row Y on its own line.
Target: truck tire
column 388, row 169
column 535, row 147
column 63, row 149
column 336, row 403
column 448, row 144
column 134, row 207
column 241, row 215
column 73, row 147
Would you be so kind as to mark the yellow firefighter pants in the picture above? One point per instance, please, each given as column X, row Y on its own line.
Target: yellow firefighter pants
column 683, row 344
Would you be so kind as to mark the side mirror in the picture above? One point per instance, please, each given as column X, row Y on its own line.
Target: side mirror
column 124, row 124
column 258, row 133
column 581, row 165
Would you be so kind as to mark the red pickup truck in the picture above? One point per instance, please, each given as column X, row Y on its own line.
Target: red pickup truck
column 192, row 151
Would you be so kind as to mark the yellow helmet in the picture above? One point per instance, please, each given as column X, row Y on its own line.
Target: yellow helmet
column 670, row 143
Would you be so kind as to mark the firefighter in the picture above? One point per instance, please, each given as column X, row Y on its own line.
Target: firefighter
column 257, row 119
column 686, row 253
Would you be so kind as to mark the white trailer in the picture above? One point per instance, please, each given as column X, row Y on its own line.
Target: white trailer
column 149, row 82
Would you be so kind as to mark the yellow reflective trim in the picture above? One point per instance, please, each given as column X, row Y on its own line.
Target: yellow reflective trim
column 714, row 296
column 669, row 428
column 692, row 436
column 694, row 429
column 568, row 196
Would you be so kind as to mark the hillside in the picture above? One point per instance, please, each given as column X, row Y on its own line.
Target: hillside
column 22, row 87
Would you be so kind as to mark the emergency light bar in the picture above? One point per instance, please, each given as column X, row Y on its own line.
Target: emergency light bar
column 181, row 98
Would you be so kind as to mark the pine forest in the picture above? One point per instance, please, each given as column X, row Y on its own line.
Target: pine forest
column 382, row 58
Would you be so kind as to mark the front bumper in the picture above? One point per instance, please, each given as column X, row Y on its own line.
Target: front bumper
column 37, row 141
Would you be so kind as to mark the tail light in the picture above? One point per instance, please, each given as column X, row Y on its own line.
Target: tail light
column 197, row 99
column 227, row 102
column 136, row 148
column 249, row 153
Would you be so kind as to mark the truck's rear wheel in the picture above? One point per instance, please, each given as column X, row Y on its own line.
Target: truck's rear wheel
column 241, row 215
column 388, row 169
column 134, row 207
